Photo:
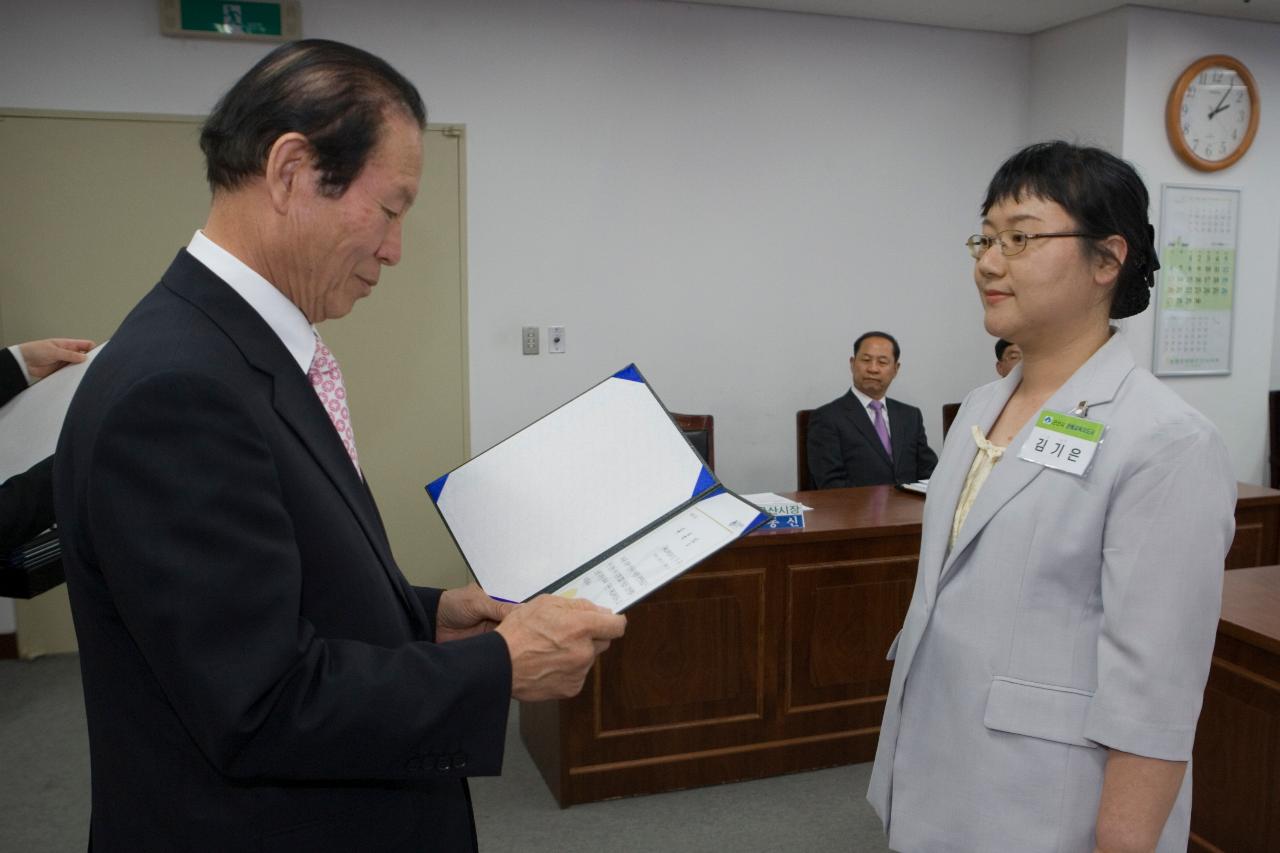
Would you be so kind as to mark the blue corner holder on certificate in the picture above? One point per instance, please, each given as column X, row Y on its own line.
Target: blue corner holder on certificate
column 603, row 499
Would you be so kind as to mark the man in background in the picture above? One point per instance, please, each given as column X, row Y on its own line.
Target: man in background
column 1008, row 354
column 258, row 673
column 864, row 438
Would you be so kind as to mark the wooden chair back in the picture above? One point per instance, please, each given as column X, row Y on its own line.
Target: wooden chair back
column 804, row 480
column 701, row 432
column 949, row 411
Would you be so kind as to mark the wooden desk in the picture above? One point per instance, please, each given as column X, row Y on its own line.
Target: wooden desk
column 1236, row 777
column 769, row 657
column 1257, row 541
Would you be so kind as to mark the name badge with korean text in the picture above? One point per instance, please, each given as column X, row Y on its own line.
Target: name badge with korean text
column 1063, row 442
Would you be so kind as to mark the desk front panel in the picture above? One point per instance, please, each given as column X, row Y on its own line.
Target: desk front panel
column 1235, row 801
column 768, row 658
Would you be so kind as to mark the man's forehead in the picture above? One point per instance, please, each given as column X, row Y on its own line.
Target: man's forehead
column 401, row 151
column 876, row 342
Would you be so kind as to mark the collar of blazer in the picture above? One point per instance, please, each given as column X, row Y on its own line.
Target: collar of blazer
column 293, row 398
column 1096, row 381
column 861, row 418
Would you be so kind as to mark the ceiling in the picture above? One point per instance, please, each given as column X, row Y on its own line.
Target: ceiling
column 1002, row 16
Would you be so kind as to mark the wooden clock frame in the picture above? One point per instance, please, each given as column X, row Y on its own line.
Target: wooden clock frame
column 1173, row 112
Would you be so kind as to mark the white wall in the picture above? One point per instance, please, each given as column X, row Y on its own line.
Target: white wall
column 1077, row 81
column 1161, row 45
column 725, row 196
column 728, row 198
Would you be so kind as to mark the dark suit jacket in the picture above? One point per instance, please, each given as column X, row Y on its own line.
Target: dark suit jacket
column 844, row 450
column 26, row 499
column 258, row 674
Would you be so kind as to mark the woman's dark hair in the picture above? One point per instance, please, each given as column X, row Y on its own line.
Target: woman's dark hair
column 1102, row 193
column 335, row 95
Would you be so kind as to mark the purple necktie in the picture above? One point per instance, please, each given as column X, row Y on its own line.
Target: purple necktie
column 882, row 429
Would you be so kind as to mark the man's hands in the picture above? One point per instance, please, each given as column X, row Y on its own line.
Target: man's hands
column 467, row 611
column 44, row 357
column 553, row 641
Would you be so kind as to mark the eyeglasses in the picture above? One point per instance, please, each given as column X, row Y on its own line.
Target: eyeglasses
column 1012, row 241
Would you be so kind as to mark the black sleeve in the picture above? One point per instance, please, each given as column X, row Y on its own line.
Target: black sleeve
column 826, row 463
column 429, row 598
column 12, row 381
column 26, row 505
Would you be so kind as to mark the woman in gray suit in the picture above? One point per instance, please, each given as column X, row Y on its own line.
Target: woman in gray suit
column 1049, row 674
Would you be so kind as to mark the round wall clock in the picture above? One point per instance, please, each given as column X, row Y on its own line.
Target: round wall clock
column 1212, row 114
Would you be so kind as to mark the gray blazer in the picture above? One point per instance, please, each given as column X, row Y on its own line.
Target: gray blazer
column 1073, row 613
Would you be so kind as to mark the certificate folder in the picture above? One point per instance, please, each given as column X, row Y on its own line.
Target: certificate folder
column 604, row 498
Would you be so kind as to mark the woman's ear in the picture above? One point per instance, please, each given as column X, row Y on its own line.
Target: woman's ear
column 1109, row 258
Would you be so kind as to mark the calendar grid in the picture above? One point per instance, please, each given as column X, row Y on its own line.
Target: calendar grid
column 1195, row 298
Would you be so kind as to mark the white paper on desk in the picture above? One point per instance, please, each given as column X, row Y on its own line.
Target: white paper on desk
column 768, row 500
column 569, row 487
column 31, row 421
column 621, row 579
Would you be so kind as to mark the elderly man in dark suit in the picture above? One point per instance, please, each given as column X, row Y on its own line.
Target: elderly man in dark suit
column 863, row 438
column 258, row 673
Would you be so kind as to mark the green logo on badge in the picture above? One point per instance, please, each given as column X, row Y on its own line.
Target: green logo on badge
column 1088, row 430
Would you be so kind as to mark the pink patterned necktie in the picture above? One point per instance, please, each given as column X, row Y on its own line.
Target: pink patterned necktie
column 326, row 379
column 882, row 429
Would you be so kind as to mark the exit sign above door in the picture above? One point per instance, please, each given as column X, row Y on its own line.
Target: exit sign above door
column 261, row 20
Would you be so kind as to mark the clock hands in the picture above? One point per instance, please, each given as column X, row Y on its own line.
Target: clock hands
column 1219, row 107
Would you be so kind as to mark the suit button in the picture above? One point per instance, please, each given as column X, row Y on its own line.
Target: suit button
column 443, row 764
column 460, row 761
column 414, row 764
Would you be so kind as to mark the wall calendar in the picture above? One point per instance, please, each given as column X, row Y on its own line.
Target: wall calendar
column 1195, row 292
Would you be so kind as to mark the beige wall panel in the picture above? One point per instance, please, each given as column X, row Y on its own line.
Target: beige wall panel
column 403, row 355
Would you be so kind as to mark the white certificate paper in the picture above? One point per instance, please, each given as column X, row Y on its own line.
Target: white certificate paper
column 32, row 421
column 622, row 579
column 621, row 476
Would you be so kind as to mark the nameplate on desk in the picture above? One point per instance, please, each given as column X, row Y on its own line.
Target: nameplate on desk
column 786, row 514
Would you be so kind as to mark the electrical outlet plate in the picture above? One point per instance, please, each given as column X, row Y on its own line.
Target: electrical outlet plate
column 555, row 339
column 529, row 340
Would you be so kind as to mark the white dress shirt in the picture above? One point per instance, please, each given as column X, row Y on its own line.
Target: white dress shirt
column 284, row 318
